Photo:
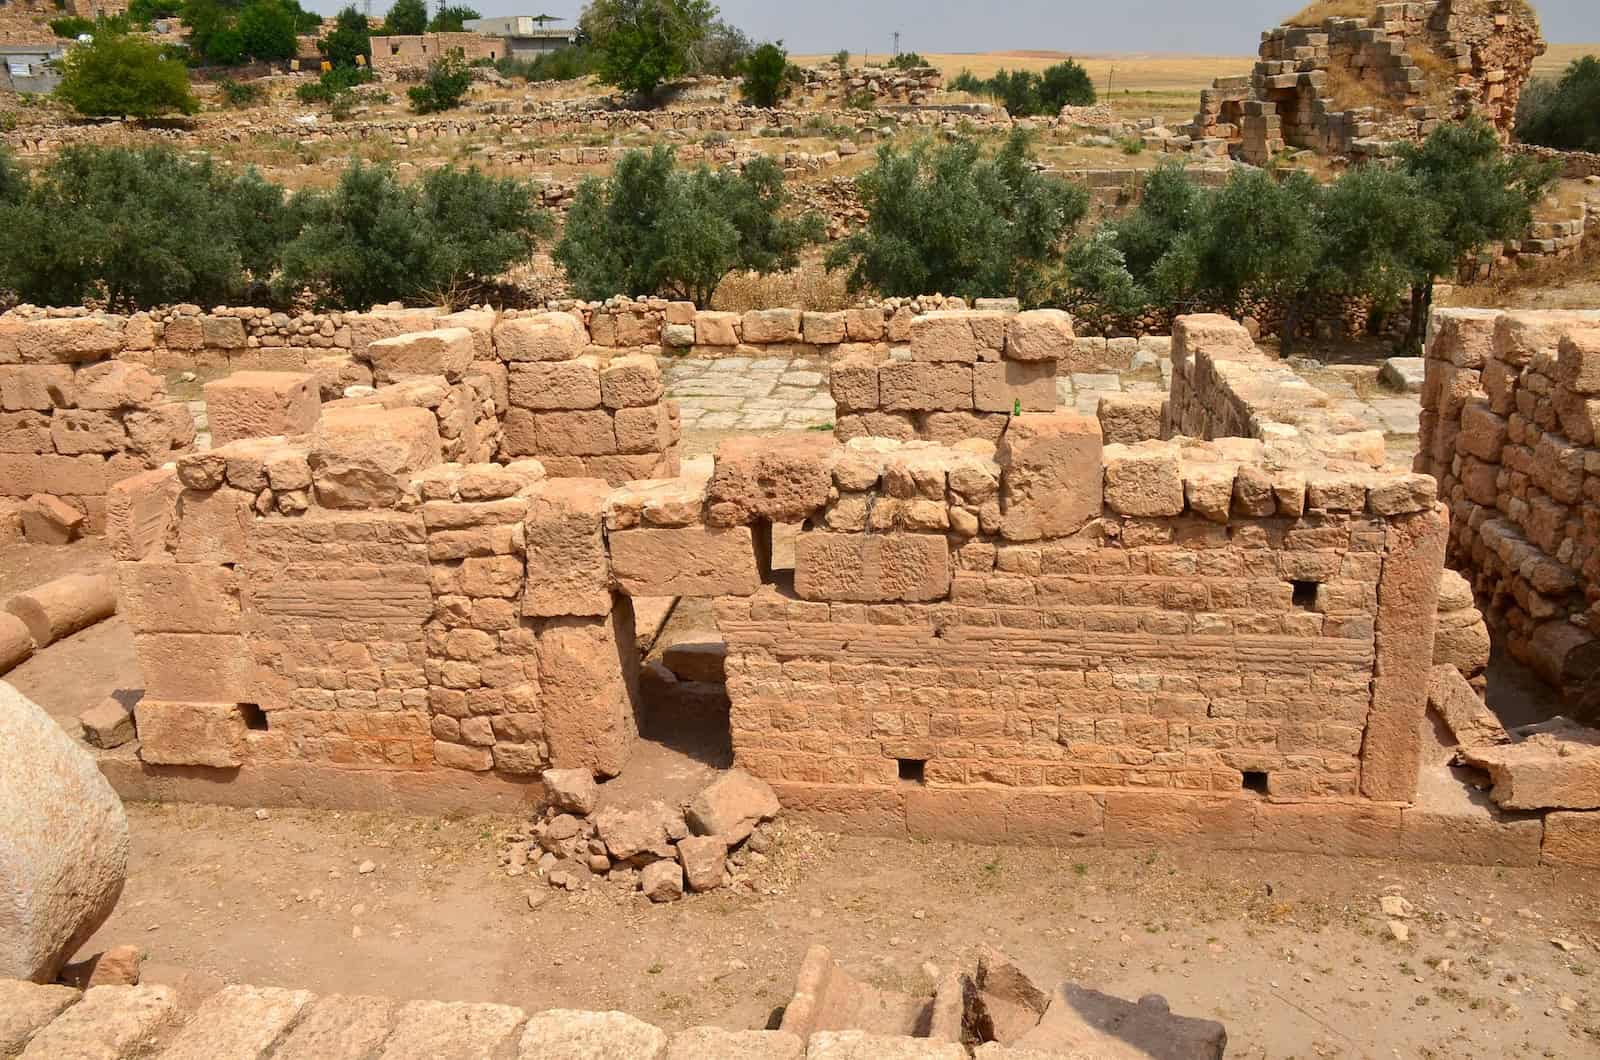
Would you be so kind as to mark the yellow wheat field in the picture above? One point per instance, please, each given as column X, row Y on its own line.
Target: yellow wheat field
column 1134, row 71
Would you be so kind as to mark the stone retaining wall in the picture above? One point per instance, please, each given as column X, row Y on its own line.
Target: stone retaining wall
column 1511, row 406
column 74, row 419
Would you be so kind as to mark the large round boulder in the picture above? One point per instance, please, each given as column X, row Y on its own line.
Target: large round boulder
column 63, row 845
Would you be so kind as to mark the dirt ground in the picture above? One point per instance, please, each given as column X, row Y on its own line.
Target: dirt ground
column 1290, row 952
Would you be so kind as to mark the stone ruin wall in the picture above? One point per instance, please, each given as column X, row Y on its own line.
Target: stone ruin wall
column 883, row 85
column 1511, row 408
column 75, row 419
column 1052, row 639
column 406, row 58
column 1290, row 100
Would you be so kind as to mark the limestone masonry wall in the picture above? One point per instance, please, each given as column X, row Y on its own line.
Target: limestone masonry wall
column 75, row 420
column 1511, row 407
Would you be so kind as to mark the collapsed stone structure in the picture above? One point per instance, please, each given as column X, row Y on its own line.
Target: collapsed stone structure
column 1509, row 430
column 1354, row 86
column 407, row 57
column 831, row 83
column 1035, row 637
column 77, row 419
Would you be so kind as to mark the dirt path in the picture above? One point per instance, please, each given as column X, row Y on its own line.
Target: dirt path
column 1289, row 951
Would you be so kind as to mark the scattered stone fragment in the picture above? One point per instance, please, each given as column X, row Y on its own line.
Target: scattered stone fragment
column 704, row 860
column 731, row 806
column 561, row 1034
column 118, row 966
column 662, row 881
column 107, row 724
column 571, row 790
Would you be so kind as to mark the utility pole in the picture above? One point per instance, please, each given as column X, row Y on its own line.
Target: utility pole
column 897, row 42
column 1111, row 79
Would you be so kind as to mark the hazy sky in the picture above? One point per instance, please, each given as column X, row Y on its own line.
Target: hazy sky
column 1230, row 27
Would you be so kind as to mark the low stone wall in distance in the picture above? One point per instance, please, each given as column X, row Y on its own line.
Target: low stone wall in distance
column 1511, row 411
column 74, row 419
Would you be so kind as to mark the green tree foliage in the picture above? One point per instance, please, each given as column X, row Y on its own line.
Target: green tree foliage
column 841, row 59
column 642, row 43
column 907, row 61
column 373, row 239
column 652, row 229
column 407, row 18
column 1101, row 289
column 1484, row 196
column 766, row 75
column 240, row 94
column 1381, row 234
column 142, row 12
column 948, row 220
column 1024, row 93
column 1565, row 115
column 444, row 85
column 349, row 38
column 135, row 228
column 13, row 183
column 125, row 77
column 450, row 19
column 72, row 27
column 267, row 30
column 722, row 52
column 334, row 83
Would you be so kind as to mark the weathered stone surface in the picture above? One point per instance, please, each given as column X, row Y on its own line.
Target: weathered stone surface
column 568, row 568
column 238, row 1023
column 703, row 859
column 48, row 520
column 65, row 853
column 1051, row 479
column 107, row 724
column 447, row 352
column 443, row 1030
column 190, row 733
column 1572, row 839
column 662, row 881
column 362, row 457
column 1009, row 1005
column 561, row 1034
column 706, row 1043
column 731, row 806
column 638, row 835
column 260, row 404
column 16, row 643
column 25, row 1007
column 704, row 661
column 584, row 695
column 1555, row 767
column 109, row 1023
column 1466, row 715
column 871, row 568
column 780, row 480
column 860, row 1045
column 118, row 966
column 1039, row 335
column 544, row 337
column 61, row 607
column 691, row 561
column 338, row 1028
column 1144, row 479
column 571, row 790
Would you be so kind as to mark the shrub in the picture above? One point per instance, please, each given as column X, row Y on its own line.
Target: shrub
column 225, row 47
column 652, row 229
column 333, row 82
column 841, row 59
column 373, row 239
column 443, row 87
column 240, row 94
column 71, row 27
column 125, row 77
column 135, row 228
column 12, row 182
column 766, row 75
column 641, row 43
column 143, row 11
column 1565, row 115
column 406, row 18
column 563, row 64
column 349, row 39
column 862, row 99
column 1024, row 93
column 452, row 19
column 908, row 61
column 948, row 220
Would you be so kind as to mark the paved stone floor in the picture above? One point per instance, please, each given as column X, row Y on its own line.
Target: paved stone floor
column 776, row 394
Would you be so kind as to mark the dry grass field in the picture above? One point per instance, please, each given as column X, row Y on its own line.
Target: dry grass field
column 1556, row 60
column 1138, row 71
